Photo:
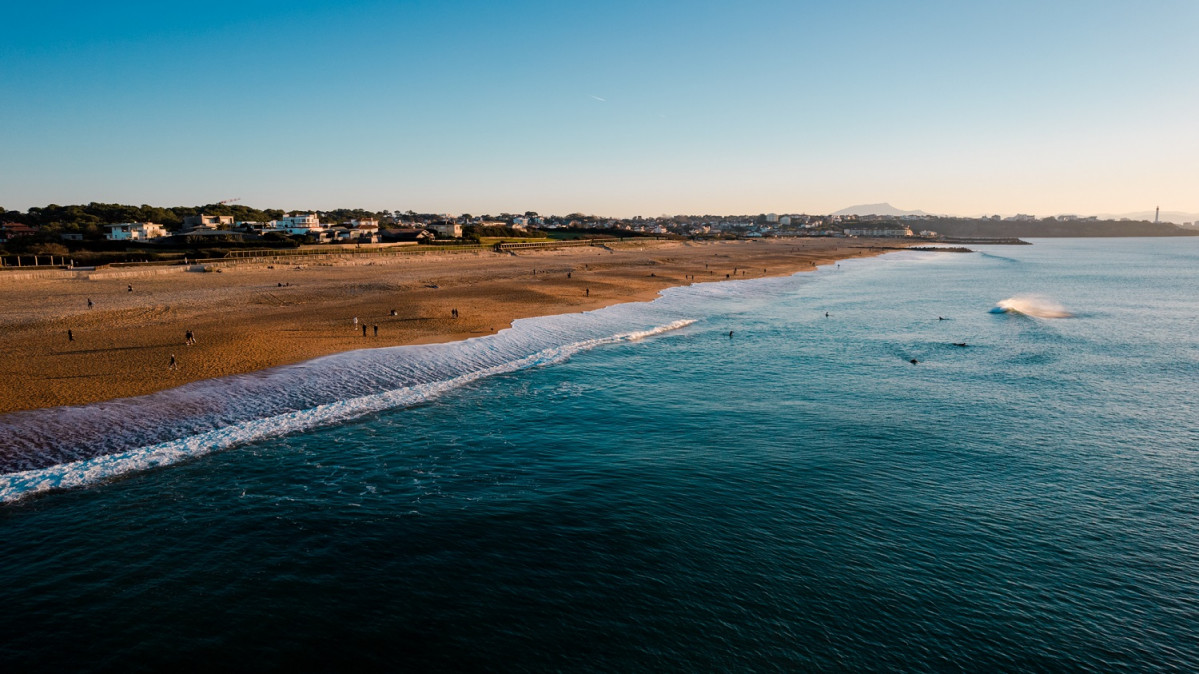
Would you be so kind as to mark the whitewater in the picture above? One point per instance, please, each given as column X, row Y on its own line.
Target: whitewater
column 407, row 376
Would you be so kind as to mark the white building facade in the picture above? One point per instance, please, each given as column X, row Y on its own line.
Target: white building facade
column 134, row 231
column 300, row 225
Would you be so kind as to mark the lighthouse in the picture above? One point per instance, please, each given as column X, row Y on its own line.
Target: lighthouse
column 1157, row 212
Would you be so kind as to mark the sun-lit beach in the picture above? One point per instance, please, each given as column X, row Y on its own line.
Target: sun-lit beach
column 599, row 337
column 254, row 316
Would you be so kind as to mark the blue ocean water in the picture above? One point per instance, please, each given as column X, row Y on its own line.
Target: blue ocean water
column 635, row 489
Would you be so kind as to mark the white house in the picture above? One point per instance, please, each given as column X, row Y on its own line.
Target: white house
column 365, row 225
column 449, row 230
column 134, row 231
column 300, row 225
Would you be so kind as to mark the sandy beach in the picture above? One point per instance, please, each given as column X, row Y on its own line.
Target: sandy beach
column 253, row 316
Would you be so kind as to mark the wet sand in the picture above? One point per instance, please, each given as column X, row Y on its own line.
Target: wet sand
column 244, row 321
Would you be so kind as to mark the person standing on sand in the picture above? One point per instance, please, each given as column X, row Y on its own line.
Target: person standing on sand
column 588, row 294
column 355, row 322
column 364, row 329
column 172, row 365
column 89, row 303
column 130, row 287
column 376, row 331
column 70, row 336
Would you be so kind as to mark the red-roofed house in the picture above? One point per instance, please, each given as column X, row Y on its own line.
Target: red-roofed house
column 12, row 230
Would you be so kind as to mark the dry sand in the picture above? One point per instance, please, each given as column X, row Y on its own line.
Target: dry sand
column 243, row 320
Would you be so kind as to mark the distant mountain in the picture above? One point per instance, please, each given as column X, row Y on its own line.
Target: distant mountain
column 876, row 209
column 1176, row 217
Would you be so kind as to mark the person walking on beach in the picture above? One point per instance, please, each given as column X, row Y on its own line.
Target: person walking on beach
column 376, row 331
column 364, row 329
column 355, row 322
column 189, row 338
column 130, row 287
column 89, row 303
column 172, row 365
column 70, row 336
column 588, row 294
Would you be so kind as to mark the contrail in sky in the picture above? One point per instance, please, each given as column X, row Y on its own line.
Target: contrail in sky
column 601, row 100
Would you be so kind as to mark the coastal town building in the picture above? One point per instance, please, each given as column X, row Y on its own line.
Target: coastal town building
column 878, row 231
column 15, row 230
column 406, row 234
column 447, row 230
column 300, row 225
column 255, row 227
column 202, row 221
column 134, row 231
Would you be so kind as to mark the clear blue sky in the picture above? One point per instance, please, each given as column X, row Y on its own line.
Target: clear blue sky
column 618, row 108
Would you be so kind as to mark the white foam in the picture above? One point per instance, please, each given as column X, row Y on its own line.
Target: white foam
column 1034, row 305
column 18, row 485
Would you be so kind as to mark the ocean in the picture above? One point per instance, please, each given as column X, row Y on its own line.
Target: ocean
column 738, row 476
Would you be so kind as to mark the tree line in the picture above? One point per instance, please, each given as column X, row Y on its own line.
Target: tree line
column 90, row 218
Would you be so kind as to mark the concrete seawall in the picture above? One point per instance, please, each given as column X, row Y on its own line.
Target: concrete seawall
column 93, row 274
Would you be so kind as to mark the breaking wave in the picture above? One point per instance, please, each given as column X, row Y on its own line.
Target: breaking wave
column 64, row 448
column 1029, row 305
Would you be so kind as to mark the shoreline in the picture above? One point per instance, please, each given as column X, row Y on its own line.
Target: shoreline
column 252, row 317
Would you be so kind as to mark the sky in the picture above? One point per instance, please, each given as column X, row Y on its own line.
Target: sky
column 614, row 108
